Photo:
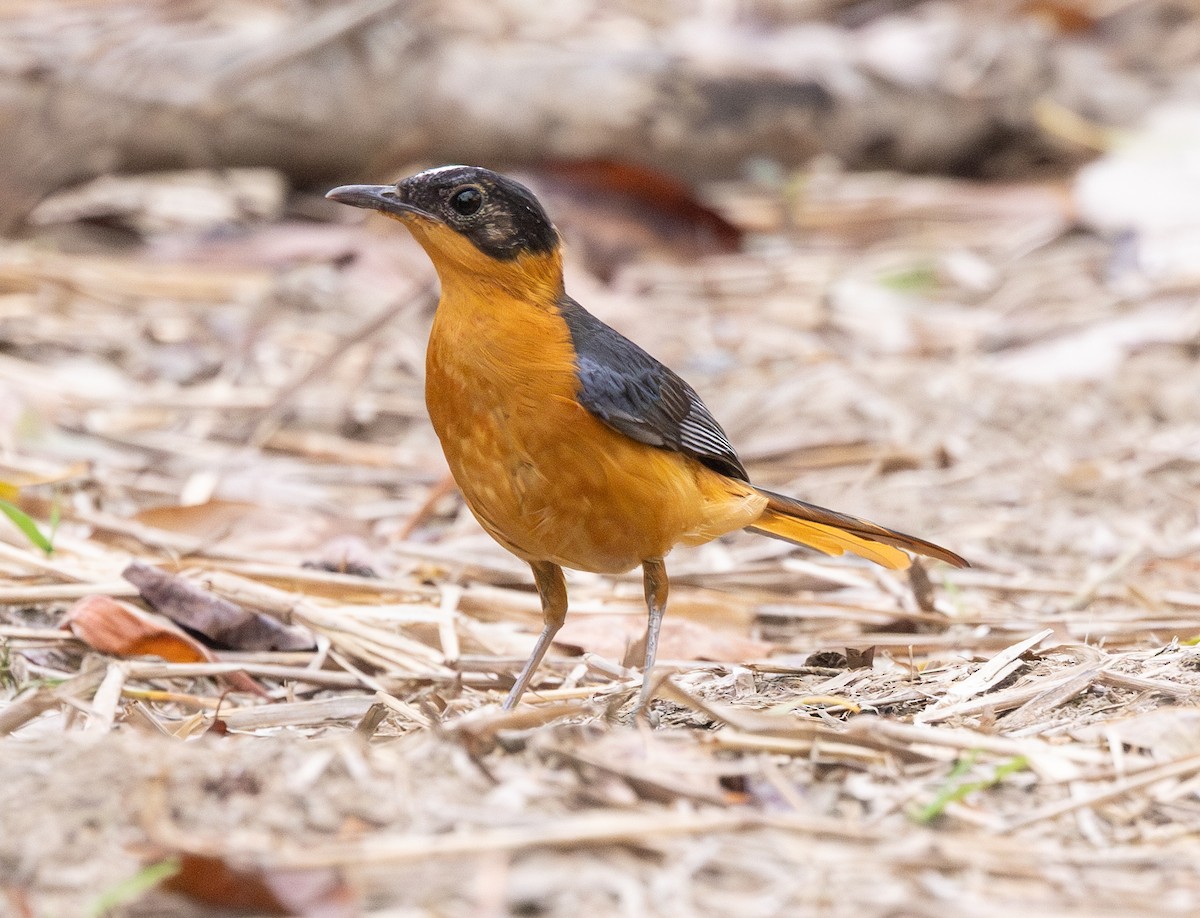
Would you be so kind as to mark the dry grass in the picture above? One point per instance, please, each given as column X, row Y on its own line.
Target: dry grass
column 831, row 739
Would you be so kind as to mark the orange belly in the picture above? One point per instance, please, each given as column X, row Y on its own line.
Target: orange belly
column 543, row 476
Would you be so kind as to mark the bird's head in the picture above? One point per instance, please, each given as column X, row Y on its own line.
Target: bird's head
column 468, row 219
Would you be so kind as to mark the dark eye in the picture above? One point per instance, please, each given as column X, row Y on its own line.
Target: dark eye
column 467, row 201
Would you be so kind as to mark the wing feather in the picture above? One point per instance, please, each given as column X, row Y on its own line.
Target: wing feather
column 637, row 395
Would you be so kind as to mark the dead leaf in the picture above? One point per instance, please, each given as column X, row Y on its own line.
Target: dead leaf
column 239, row 526
column 620, row 211
column 121, row 630
column 860, row 658
column 922, row 587
column 218, row 619
column 207, row 521
column 117, row 628
column 1068, row 17
column 317, row 893
column 18, row 900
column 62, row 475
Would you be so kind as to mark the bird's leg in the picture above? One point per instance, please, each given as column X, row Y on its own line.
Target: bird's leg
column 654, row 578
column 553, row 592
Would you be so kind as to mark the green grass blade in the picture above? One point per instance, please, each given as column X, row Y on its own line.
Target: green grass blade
column 920, row 278
column 133, row 888
column 22, row 521
column 954, row 790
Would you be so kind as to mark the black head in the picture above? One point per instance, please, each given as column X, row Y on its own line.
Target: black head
column 500, row 217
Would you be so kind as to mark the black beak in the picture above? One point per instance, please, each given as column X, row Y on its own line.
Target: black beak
column 383, row 198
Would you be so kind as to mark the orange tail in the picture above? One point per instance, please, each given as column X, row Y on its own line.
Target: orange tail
column 836, row 533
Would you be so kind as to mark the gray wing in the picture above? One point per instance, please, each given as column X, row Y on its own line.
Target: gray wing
column 637, row 395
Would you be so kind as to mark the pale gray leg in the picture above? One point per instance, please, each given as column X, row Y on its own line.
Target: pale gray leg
column 654, row 578
column 553, row 591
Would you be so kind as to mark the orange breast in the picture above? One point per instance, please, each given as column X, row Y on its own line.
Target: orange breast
column 543, row 476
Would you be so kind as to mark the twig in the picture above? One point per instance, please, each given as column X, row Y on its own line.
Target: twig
column 268, row 417
column 42, row 699
column 1117, row 789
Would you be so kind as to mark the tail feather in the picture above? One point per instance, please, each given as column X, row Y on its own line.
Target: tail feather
column 836, row 533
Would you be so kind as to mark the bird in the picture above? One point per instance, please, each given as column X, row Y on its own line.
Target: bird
column 571, row 445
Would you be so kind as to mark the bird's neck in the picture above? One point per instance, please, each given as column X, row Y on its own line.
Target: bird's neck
column 495, row 335
column 535, row 280
column 503, row 308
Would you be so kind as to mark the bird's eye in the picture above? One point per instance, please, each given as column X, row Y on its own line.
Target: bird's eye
column 467, row 201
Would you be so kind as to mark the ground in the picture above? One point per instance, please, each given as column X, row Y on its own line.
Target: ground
column 968, row 362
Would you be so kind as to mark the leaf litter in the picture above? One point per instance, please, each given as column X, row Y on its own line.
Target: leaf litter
column 827, row 737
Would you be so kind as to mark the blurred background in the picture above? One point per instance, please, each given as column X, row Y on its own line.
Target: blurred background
column 933, row 263
column 936, row 258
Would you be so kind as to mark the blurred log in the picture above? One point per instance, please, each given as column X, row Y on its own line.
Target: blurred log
column 336, row 90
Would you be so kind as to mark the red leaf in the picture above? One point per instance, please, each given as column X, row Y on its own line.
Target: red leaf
column 618, row 212
column 214, row 881
column 117, row 628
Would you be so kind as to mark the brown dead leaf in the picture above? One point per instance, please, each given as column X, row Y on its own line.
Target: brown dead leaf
column 851, row 658
column 317, row 893
column 860, row 658
column 62, row 475
column 121, row 630
column 218, row 619
column 922, row 587
column 1068, row 17
column 117, row 628
column 239, row 525
column 211, row 520
column 18, row 900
